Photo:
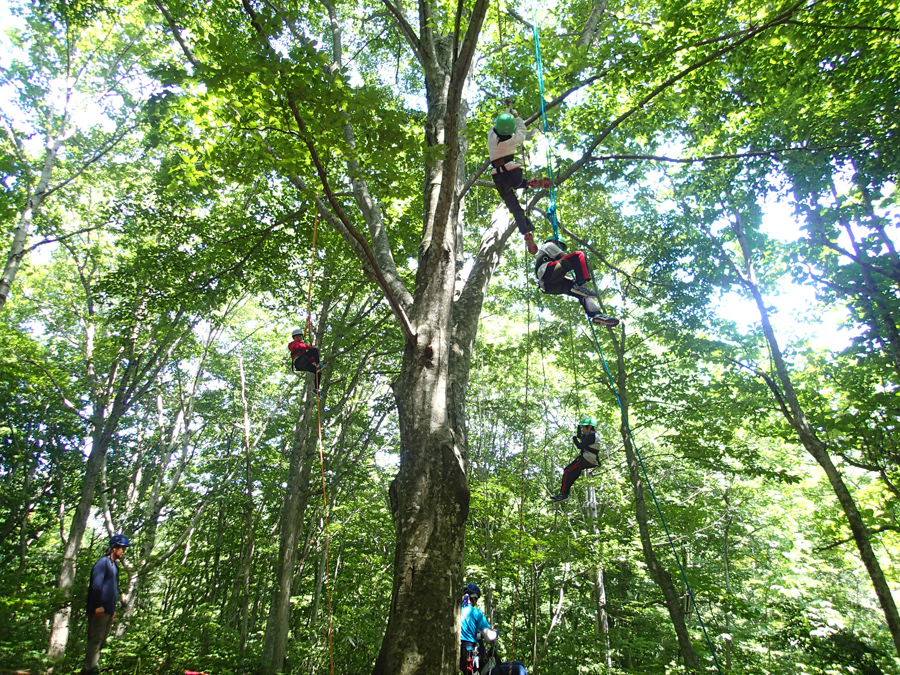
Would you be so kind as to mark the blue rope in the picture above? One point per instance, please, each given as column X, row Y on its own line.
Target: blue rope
column 551, row 212
column 655, row 501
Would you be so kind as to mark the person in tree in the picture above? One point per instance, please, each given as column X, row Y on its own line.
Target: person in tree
column 507, row 134
column 304, row 357
column 552, row 266
column 585, row 439
column 102, row 599
column 474, row 657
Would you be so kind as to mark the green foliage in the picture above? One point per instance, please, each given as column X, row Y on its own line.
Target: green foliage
column 205, row 220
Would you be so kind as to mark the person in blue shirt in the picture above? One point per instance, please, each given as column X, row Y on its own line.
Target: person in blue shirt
column 472, row 622
column 103, row 596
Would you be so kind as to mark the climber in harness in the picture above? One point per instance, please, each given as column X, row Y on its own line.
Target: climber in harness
column 552, row 266
column 477, row 653
column 304, row 357
column 585, row 439
column 507, row 134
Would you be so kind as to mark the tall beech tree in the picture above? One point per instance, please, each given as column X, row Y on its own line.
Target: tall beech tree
column 287, row 104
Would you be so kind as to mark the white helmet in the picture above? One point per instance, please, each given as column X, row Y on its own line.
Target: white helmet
column 297, row 331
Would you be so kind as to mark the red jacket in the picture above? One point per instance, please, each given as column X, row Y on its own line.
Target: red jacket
column 296, row 347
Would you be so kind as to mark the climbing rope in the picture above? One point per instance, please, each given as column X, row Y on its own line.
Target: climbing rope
column 662, row 518
column 512, row 640
column 551, row 212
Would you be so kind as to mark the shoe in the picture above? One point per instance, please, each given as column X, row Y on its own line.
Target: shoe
column 583, row 291
column 556, row 499
column 540, row 183
column 604, row 320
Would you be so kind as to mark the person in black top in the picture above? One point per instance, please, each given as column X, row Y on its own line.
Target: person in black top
column 103, row 596
column 586, row 441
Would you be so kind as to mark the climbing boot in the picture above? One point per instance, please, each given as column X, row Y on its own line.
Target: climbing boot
column 605, row 320
column 583, row 291
column 556, row 499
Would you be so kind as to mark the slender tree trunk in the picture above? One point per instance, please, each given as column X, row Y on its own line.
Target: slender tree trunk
column 601, row 620
column 250, row 539
column 658, row 573
column 293, row 515
column 59, row 629
column 793, row 412
column 729, row 639
column 32, row 207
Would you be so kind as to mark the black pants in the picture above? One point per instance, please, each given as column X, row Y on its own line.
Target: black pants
column 507, row 183
column 572, row 471
column 308, row 360
column 564, row 287
column 505, row 668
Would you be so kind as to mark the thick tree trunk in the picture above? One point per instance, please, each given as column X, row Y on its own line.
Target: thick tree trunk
column 658, row 573
column 430, row 494
column 430, row 504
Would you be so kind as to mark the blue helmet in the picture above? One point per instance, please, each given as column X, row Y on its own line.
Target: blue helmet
column 472, row 589
column 118, row 540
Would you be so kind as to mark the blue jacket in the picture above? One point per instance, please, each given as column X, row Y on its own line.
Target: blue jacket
column 103, row 590
column 472, row 621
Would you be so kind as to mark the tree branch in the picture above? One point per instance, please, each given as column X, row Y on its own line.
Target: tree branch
column 393, row 300
column 411, row 38
column 177, row 33
column 710, row 158
column 874, row 530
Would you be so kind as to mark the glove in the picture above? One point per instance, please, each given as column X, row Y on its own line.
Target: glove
column 514, row 112
column 575, row 441
column 529, row 243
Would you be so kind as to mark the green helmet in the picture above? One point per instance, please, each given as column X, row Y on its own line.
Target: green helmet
column 588, row 422
column 558, row 242
column 505, row 124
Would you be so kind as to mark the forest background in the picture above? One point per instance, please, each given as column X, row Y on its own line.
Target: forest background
column 183, row 183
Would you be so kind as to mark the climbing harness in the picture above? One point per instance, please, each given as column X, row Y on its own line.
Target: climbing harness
column 662, row 518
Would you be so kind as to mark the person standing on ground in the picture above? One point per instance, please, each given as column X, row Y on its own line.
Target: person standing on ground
column 103, row 596
column 472, row 625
